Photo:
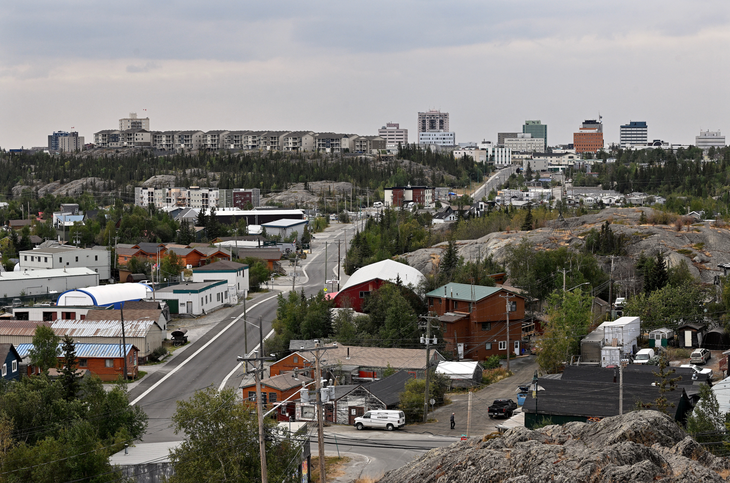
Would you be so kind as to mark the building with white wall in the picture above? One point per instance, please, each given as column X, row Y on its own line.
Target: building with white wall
column 393, row 135
column 285, row 228
column 708, row 139
column 193, row 298
column 65, row 256
column 40, row 282
column 134, row 122
column 438, row 138
column 635, row 133
column 526, row 143
column 235, row 274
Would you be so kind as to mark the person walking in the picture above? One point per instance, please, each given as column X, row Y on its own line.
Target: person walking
column 453, row 423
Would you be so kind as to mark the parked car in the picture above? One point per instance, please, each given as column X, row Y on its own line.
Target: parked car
column 704, row 370
column 384, row 419
column 502, row 408
column 700, row 356
column 644, row 356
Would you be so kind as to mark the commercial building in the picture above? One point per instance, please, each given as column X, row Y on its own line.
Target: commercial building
column 236, row 274
column 635, row 133
column 503, row 136
column 65, row 256
column 438, row 138
column 195, row 298
column 105, row 295
column 709, row 139
column 400, row 195
column 49, row 281
column 134, row 122
column 393, row 135
column 433, row 121
column 589, row 138
column 538, row 130
column 285, row 228
column 241, row 197
column 524, row 142
column 370, row 278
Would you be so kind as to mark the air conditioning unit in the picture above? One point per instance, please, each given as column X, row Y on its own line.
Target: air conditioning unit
column 189, row 267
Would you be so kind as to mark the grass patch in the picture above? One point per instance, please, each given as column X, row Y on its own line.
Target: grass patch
column 699, row 246
column 332, row 466
column 140, row 375
column 685, row 251
column 675, row 353
column 490, row 376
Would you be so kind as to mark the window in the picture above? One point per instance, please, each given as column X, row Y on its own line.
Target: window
column 77, row 259
column 96, row 258
column 48, row 316
column 252, row 395
column 83, row 362
column 45, row 259
column 25, row 258
column 5, row 369
column 68, row 315
column 295, row 359
column 486, row 326
column 364, row 294
column 272, row 397
column 60, row 259
column 108, row 362
column 31, row 258
column 201, row 301
column 488, row 346
column 456, row 304
column 517, row 345
column 308, row 412
column 513, row 306
column 503, row 345
column 15, row 366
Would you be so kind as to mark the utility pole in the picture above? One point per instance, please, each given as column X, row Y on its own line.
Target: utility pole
column 468, row 416
column 620, row 388
column 506, row 299
column 320, row 407
column 339, row 266
column 124, row 341
column 325, row 263
column 427, row 340
column 258, row 372
column 610, row 287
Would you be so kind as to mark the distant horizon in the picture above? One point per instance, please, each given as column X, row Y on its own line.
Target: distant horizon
column 352, row 68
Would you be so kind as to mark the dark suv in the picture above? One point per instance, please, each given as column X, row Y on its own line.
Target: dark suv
column 502, row 408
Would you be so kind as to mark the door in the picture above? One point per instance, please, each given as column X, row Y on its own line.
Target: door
column 688, row 338
column 190, row 307
column 355, row 412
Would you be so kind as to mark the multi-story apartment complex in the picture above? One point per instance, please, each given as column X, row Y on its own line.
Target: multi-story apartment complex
column 397, row 196
column 65, row 142
column 393, row 135
column 589, row 139
column 526, row 143
column 635, row 133
column 297, row 141
column 708, row 139
column 134, row 122
column 538, row 130
column 433, row 121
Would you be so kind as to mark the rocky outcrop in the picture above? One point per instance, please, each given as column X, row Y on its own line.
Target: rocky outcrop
column 639, row 446
column 701, row 245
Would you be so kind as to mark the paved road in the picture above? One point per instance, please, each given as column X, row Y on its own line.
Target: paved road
column 211, row 359
column 493, row 182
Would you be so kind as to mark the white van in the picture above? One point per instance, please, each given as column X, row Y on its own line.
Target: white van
column 644, row 356
column 378, row 204
column 386, row 419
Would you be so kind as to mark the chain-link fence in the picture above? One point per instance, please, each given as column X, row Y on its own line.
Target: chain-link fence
column 716, row 442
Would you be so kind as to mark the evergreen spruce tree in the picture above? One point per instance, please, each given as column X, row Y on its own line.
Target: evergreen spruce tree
column 527, row 225
column 69, row 379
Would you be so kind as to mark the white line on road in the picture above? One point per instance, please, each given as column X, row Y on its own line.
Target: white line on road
column 238, row 366
column 154, row 386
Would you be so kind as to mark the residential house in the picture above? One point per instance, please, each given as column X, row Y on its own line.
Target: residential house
column 296, row 362
column 477, row 319
column 371, row 277
column 9, row 362
column 276, row 389
column 268, row 255
column 188, row 140
column 103, row 360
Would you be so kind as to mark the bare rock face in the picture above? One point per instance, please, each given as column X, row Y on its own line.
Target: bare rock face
column 639, row 446
column 702, row 246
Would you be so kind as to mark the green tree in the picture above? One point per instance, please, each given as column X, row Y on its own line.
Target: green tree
column 527, row 224
column 69, row 378
column 706, row 420
column 258, row 272
column 666, row 383
column 411, row 399
column 185, row 234
column 171, row 265
column 450, row 259
column 221, row 442
column 139, row 265
column 669, row 306
column 569, row 318
column 45, row 351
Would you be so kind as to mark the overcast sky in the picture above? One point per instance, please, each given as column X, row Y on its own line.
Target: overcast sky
column 353, row 66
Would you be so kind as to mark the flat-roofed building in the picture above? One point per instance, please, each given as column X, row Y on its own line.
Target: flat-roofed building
column 59, row 256
column 134, row 122
column 635, row 133
column 393, row 135
column 589, row 138
column 538, row 130
column 524, row 142
column 708, row 139
column 433, row 121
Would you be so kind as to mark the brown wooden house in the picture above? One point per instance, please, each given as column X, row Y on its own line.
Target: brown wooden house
column 475, row 319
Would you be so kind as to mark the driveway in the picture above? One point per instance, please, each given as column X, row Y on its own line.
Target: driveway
column 523, row 369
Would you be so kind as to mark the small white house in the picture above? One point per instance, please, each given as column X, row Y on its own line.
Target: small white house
column 193, row 298
column 285, row 227
column 236, row 274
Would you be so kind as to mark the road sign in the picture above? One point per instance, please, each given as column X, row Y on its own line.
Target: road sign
column 463, row 437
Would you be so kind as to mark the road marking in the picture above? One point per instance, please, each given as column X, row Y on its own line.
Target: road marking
column 238, row 366
column 154, row 386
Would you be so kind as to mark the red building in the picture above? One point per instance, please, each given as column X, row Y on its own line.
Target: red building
column 400, row 195
column 370, row 278
column 275, row 390
column 589, row 139
column 292, row 362
column 476, row 319
column 103, row 360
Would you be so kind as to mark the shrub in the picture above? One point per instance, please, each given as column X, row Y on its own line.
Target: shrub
column 158, row 354
column 491, row 376
column 491, row 363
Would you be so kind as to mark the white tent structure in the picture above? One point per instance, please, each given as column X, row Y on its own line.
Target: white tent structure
column 463, row 373
column 105, row 295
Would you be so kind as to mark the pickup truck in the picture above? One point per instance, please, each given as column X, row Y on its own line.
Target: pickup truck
column 502, row 408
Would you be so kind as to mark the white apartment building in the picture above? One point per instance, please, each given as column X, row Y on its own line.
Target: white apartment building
column 708, row 139
column 502, row 156
column 164, row 140
column 393, row 135
column 526, row 143
column 215, row 140
column 70, row 144
column 439, row 138
column 134, row 122
column 479, row 155
column 188, row 140
column 298, row 141
column 202, row 198
column 65, row 256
